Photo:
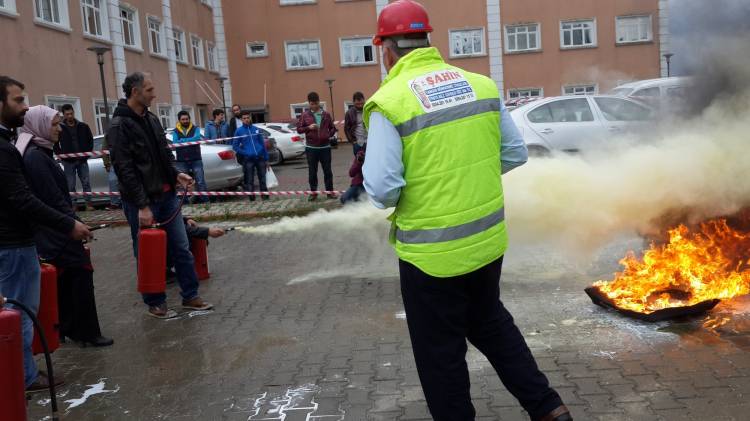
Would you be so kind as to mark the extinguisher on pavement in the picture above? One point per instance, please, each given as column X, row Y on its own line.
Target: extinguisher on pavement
column 12, row 387
column 152, row 261
column 199, row 248
column 48, row 314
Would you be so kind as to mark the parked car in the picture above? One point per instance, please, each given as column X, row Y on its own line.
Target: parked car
column 219, row 163
column 577, row 123
column 289, row 143
column 658, row 93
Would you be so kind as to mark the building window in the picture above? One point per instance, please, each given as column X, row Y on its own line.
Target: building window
column 213, row 64
column 357, row 51
column 347, row 105
column 131, row 33
column 466, row 42
column 8, row 6
column 525, row 93
column 303, row 55
column 165, row 115
column 178, row 38
column 196, row 44
column 523, row 38
column 299, row 108
column 633, row 29
column 94, row 14
column 579, row 33
column 54, row 12
column 580, row 90
column 100, row 115
column 293, row 2
column 57, row 103
column 256, row 49
column 155, row 36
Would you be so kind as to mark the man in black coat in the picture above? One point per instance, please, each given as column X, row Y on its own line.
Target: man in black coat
column 76, row 137
column 147, row 179
column 236, row 120
column 20, row 211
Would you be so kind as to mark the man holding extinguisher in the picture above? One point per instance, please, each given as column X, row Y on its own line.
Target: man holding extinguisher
column 147, row 176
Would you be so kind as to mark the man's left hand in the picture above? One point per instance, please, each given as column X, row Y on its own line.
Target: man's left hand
column 185, row 181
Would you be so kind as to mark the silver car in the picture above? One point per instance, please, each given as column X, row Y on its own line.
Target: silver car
column 578, row 123
column 219, row 164
column 290, row 144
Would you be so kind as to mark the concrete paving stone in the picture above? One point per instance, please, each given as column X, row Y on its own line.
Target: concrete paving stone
column 623, row 393
column 578, row 371
column 384, row 416
column 662, row 400
column 385, row 403
column 387, row 387
column 588, row 387
column 611, row 377
column 598, row 404
column 679, row 414
column 569, row 396
column 358, row 397
column 509, row 414
column 411, row 393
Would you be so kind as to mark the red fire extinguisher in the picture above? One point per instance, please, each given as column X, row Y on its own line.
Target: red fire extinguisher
column 152, row 261
column 12, row 387
column 48, row 312
column 199, row 248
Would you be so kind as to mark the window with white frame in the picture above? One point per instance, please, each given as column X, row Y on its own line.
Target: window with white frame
column 293, row 2
column 523, row 38
column 131, row 33
column 357, row 51
column 256, row 49
column 211, row 59
column 299, row 108
column 165, row 115
column 100, row 115
column 57, row 103
column 525, row 93
column 155, row 36
column 8, row 6
column 196, row 45
column 303, row 55
column 54, row 12
column 94, row 14
column 347, row 105
column 633, row 29
column 466, row 42
column 580, row 90
column 578, row 33
column 178, row 38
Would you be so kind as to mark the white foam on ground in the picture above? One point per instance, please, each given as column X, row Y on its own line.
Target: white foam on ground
column 94, row 389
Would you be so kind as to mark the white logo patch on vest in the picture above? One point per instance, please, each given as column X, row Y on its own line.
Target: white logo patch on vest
column 442, row 89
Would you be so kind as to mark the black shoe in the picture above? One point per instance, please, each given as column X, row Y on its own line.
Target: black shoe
column 560, row 413
column 98, row 342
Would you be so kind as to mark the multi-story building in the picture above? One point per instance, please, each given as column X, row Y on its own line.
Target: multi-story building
column 273, row 52
column 180, row 43
column 282, row 49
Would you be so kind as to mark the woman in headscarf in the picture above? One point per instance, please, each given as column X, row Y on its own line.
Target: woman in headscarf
column 75, row 275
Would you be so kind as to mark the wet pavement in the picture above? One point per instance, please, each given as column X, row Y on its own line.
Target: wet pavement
column 309, row 325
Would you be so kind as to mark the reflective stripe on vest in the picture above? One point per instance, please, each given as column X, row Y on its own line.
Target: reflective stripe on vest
column 438, row 235
column 424, row 121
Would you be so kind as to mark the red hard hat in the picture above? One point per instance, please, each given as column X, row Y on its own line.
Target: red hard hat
column 400, row 18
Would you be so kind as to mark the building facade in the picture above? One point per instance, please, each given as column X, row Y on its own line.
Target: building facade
column 271, row 53
column 282, row 49
column 45, row 44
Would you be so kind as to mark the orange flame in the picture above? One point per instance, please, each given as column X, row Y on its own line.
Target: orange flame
column 692, row 267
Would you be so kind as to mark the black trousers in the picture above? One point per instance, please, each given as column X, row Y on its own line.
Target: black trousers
column 442, row 313
column 322, row 156
column 76, row 304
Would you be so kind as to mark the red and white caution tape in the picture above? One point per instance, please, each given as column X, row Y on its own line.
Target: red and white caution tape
column 221, row 193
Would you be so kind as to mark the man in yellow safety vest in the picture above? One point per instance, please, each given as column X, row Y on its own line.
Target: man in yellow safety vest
column 436, row 154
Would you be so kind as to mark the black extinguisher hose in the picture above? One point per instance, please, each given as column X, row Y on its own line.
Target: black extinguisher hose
column 174, row 215
column 47, row 357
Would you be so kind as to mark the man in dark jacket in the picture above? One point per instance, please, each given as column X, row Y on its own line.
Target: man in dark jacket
column 354, row 125
column 145, row 169
column 76, row 137
column 20, row 211
column 236, row 120
column 317, row 125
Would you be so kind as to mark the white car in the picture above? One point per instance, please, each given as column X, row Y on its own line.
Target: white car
column 289, row 143
column 658, row 93
column 577, row 123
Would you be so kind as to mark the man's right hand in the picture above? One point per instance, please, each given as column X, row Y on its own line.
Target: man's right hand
column 81, row 232
column 145, row 217
column 313, row 126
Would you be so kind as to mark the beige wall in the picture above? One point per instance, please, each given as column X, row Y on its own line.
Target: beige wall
column 606, row 64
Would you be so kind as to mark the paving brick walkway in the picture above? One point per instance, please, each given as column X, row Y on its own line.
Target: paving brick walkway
column 309, row 325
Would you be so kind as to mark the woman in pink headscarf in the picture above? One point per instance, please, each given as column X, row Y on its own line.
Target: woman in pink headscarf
column 75, row 282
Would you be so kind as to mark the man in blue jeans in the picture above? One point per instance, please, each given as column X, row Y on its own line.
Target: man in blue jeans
column 148, row 181
column 251, row 148
column 20, row 210
column 189, row 159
